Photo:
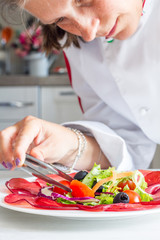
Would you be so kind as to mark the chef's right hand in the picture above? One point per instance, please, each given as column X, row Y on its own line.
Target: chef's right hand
column 47, row 141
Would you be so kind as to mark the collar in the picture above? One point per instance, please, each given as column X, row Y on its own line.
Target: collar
column 147, row 10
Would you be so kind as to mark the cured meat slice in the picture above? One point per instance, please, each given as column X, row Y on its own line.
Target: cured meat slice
column 145, row 172
column 20, row 185
column 38, row 202
column 152, row 178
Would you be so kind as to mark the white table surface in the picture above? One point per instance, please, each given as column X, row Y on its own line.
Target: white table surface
column 25, row 226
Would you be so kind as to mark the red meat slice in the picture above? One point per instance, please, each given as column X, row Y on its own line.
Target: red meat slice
column 153, row 178
column 13, row 198
column 35, row 201
column 20, row 185
column 145, row 172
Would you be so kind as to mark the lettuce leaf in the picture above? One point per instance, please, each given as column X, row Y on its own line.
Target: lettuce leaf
column 105, row 199
column 96, row 174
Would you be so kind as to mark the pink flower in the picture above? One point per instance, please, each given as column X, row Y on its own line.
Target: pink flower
column 29, row 41
column 37, row 42
column 22, row 38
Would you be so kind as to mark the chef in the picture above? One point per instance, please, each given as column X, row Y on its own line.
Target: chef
column 116, row 75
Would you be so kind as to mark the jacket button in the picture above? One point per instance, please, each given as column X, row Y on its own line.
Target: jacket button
column 144, row 110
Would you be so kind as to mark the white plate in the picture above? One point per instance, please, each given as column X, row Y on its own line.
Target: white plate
column 73, row 214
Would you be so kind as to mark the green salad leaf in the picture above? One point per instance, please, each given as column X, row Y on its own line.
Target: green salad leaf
column 96, row 174
column 105, row 198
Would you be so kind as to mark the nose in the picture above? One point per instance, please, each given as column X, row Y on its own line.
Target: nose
column 88, row 28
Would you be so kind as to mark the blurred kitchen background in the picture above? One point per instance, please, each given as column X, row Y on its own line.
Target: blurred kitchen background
column 30, row 82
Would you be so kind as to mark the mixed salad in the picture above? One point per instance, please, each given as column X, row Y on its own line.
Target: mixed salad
column 99, row 187
column 97, row 190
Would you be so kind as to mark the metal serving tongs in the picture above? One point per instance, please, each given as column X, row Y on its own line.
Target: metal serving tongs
column 30, row 165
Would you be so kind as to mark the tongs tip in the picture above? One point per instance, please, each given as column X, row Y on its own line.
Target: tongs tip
column 30, row 166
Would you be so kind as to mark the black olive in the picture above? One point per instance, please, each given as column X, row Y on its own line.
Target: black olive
column 121, row 197
column 99, row 189
column 80, row 175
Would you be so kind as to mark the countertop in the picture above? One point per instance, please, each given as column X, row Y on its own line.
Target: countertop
column 24, row 226
column 26, row 80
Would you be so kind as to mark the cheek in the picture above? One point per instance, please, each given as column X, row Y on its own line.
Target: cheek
column 128, row 26
column 70, row 28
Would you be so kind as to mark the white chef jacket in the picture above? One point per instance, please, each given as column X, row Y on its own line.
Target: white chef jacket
column 119, row 87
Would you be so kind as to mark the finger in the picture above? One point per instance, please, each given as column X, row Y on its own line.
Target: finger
column 4, row 164
column 6, row 150
column 42, row 151
column 30, row 129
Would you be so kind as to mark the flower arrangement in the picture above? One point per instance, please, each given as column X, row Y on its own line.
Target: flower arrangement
column 29, row 41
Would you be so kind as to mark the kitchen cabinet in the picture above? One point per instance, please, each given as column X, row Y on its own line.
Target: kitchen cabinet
column 18, row 102
column 59, row 104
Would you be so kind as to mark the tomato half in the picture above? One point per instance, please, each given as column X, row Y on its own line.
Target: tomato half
column 80, row 189
column 130, row 184
column 60, row 190
column 133, row 196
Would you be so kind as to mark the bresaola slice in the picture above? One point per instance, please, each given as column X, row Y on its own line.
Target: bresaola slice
column 153, row 178
column 35, row 201
column 153, row 189
column 22, row 190
column 13, row 198
column 20, row 185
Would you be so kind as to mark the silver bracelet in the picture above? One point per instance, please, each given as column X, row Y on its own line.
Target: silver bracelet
column 81, row 146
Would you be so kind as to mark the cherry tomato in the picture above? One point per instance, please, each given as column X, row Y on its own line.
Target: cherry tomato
column 60, row 190
column 133, row 196
column 130, row 184
column 80, row 189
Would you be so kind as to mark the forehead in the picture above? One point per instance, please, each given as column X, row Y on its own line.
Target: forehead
column 47, row 10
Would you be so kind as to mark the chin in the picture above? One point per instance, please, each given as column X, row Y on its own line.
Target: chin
column 126, row 33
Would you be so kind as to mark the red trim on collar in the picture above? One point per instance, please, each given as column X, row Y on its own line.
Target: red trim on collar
column 70, row 77
column 68, row 68
column 143, row 3
column 143, row 6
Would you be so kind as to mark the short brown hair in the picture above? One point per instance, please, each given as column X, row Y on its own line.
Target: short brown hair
column 52, row 34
